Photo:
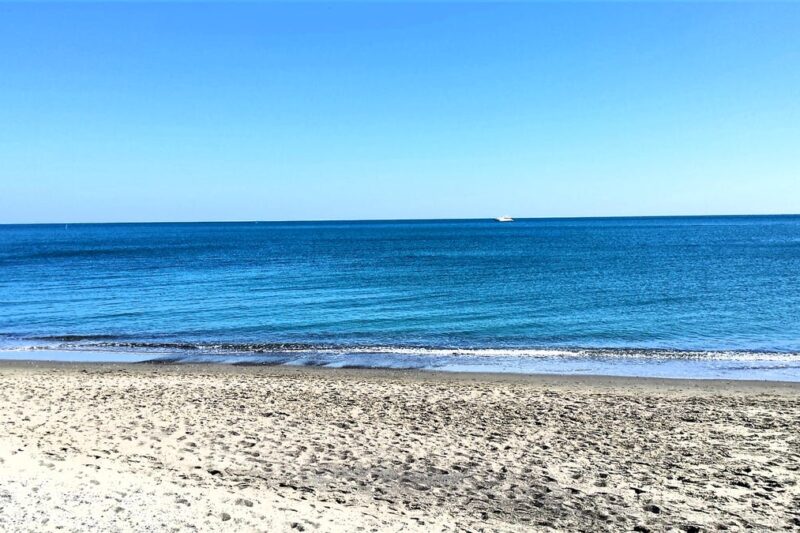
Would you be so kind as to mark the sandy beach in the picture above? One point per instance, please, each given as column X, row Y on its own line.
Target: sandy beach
column 185, row 447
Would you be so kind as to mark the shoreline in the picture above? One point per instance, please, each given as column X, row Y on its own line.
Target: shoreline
column 552, row 379
column 151, row 446
column 689, row 370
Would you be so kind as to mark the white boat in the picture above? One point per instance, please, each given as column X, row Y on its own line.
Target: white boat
column 505, row 218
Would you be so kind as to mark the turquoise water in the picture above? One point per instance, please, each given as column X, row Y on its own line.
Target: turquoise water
column 691, row 297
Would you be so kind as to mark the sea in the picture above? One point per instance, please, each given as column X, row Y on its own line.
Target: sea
column 688, row 297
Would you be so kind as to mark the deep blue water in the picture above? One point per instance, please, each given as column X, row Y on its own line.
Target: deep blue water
column 693, row 296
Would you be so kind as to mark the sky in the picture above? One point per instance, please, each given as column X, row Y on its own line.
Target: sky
column 176, row 112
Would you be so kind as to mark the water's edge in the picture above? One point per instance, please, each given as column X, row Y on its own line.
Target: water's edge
column 629, row 362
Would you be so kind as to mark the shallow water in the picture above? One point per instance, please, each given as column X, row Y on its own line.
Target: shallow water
column 688, row 297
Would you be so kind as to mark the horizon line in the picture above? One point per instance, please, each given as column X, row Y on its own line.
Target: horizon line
column 289, row 221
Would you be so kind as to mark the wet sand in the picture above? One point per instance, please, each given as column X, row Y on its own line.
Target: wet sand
column 182, row 447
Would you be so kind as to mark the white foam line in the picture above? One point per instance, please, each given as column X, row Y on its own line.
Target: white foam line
column 530, row 353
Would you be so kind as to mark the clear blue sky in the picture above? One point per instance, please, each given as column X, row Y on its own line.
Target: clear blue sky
column 138, row 112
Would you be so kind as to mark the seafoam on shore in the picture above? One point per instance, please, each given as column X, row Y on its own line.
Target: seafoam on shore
column 641, row 362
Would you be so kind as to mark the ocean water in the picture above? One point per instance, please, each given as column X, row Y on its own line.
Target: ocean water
column 681, row 297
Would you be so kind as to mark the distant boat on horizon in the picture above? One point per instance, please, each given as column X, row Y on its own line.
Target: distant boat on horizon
column 504, row 218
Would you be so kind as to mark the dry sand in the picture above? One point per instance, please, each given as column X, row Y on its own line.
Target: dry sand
column 152, row 448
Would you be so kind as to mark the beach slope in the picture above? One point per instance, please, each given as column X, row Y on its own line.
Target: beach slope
column 162, row 447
